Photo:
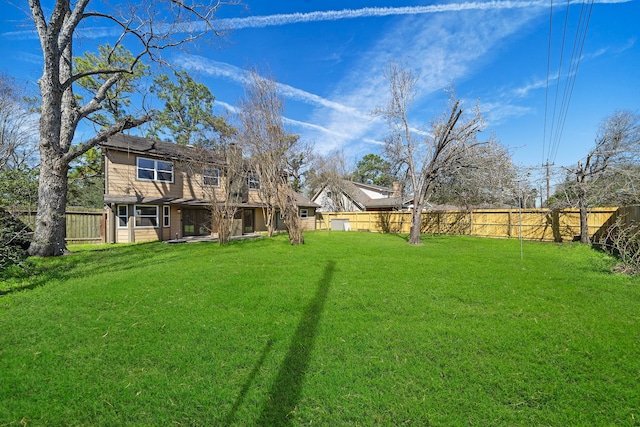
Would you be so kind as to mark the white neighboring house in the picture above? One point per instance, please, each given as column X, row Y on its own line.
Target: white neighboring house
column 358, row 197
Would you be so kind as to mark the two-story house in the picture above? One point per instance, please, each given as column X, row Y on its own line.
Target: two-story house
column 152, row 192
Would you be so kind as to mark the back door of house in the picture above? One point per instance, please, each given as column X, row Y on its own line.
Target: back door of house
column 195, row 222
column 247, row 221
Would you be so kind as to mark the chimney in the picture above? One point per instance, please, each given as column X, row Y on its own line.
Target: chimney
column 397, row 189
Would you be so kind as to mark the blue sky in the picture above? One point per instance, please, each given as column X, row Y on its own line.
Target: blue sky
column 328, row 58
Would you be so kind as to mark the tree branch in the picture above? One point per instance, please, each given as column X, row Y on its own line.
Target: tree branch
column 65, row 32
column 103, row 135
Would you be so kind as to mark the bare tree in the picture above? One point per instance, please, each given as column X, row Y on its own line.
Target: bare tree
column 17, row 139
column 489, row 179
column 17, row 172
column 152, row 28
column 424, row 157
column 609, row 172
column 222, row 181
column 329, row 173
column 271, row 149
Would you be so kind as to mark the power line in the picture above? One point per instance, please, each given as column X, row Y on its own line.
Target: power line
column 558, row 119
column 546, row 93
column 555, row 101
column 576, row 57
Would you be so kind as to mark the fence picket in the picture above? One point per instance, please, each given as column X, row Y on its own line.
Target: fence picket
column 536, row 224
column 83, row 225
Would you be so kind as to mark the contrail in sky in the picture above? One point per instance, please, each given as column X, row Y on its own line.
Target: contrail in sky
column 369, row 12
column 335, row 15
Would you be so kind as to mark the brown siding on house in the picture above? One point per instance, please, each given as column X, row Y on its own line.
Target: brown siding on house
column 309, row 223
column 259, row 220
column 122, row 235
column 147, row 234
column 122, row 179
column 254, row 196
column 176, row 223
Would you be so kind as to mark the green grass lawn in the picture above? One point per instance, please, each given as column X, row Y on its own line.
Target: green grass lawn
column 349, row 329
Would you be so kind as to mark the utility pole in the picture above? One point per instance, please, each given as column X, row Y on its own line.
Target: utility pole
column 547, row 175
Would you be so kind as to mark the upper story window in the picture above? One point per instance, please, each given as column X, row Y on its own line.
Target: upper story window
column 211, row 177
column 154, row 170
column 253, row 182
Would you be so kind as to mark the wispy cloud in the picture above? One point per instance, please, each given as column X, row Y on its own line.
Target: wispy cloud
column 230, row 108
column 611, row 49
column 315, row 127
column 527, row 88
column 445, row 43
column 498, row 112
column 231, row 72
column 443, row 50
column 302, row 124
column 541, row 83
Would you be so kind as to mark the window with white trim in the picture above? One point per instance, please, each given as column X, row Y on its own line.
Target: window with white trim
column 253, row 182
column 166, row 217
column 123, row 216
column 154, row 170
column 146, row 216
column 211, row 177
column 304, row 213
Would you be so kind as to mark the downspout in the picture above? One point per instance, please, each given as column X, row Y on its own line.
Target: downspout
column 111, row 223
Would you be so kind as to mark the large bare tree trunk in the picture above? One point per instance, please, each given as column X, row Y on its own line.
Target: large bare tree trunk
column 582, row 173
column 56, row 131
column 269, row 218
column 584, row 219
column 50, row 226
column 416, row 225
column 289, row 209
column 225, row 227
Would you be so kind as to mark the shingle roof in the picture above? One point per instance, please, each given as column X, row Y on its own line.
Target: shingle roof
column 354, row 190
column 139, row 145
column 303, row 202
column 386, row 202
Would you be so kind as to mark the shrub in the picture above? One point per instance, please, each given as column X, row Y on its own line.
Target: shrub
column 623, row 241
column 14, row 239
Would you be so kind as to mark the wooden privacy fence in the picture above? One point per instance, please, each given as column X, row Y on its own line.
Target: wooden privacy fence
column 84, row 225
column 87, row 225
column 531, row 224
column 629, row 214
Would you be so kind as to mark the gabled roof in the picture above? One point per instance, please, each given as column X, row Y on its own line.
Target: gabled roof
column 355, row 191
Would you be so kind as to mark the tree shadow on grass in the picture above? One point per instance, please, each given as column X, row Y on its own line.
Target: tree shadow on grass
column 287, row 387
column 105, row 260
